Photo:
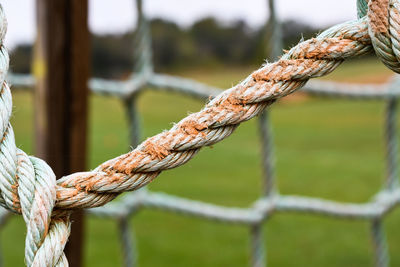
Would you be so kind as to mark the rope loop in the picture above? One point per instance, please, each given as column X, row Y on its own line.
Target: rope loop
column 28, row 184
column 384, row 30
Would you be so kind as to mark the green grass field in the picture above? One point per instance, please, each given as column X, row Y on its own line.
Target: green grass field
column 325, row 148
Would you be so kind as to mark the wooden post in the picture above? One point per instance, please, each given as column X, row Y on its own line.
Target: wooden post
column 61, row 67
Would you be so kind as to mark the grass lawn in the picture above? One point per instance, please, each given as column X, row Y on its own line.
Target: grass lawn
column 325, row 148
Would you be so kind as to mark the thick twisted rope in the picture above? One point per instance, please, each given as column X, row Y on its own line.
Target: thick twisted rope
column 384, row 21
column 28, row 185
column 362, row 8
column 220, row 117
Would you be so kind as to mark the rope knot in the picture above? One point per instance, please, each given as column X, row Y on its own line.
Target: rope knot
column 384, row 30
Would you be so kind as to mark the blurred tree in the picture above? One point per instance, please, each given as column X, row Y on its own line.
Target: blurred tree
column 223, row 43
column 171, row 45
column 207, row 42
column 294, row 31
column 112, row 55
column 21, row 58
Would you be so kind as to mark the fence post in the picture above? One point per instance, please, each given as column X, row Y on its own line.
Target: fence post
column 61, row 67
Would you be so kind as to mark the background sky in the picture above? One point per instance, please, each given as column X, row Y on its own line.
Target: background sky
column 116, row 16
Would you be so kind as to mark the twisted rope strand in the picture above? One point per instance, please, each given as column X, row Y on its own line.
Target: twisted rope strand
column 362, row 8
column 28, row 185
column 219, row 118
column 384, row 21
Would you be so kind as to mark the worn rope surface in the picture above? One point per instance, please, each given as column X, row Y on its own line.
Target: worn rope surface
column 216, row 121
column 28, row 185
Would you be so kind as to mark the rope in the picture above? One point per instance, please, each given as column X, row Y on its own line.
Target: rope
column 362, row 8
column 391, row 145
column 217, row 120
column 384, row 21
column 28, row 185
column 379, row 244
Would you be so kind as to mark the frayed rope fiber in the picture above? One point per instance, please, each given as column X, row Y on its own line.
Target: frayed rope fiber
column 28, row 185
